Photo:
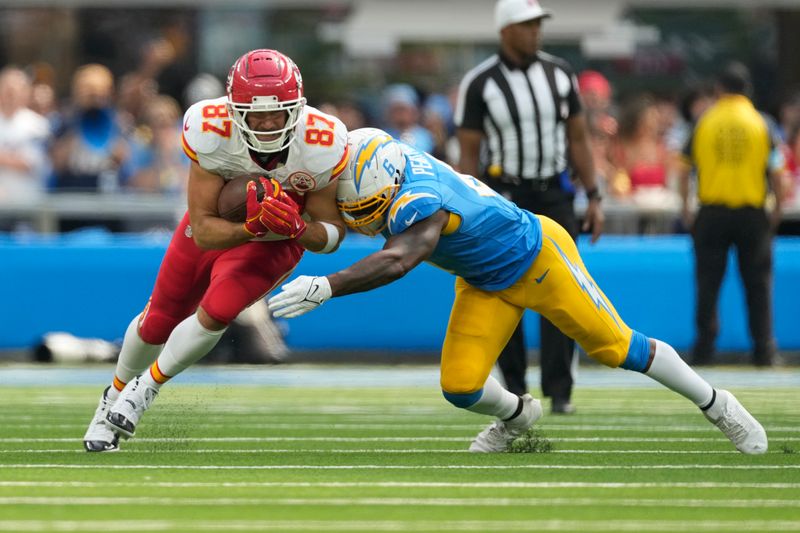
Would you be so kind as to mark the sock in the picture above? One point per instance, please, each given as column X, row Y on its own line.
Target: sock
column 671, row 371
column 496, row 401
column 187, row 344
column 134, row 357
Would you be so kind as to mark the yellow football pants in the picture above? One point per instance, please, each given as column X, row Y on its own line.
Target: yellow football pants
column 558, row 287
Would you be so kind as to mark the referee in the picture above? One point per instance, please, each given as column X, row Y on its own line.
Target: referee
column 525, row 105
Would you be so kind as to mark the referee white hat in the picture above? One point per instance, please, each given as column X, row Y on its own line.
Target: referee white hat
column 507, row 12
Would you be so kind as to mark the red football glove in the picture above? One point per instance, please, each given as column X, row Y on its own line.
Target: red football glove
column 253, row 224
column 281, row 215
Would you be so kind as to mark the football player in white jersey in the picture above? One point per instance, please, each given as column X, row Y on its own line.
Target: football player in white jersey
column 214, row 268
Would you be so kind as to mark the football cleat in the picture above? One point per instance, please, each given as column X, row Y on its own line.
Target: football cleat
column 737, row 424
column 499, row 435
column 99, row 437
column 126, row 412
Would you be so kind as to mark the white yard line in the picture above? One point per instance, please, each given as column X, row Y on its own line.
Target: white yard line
column 295, row 451
column 397, row 467
column 484, row 526
column 702, row 428
column 73, row 501
column 710, row 438
column 406, row 484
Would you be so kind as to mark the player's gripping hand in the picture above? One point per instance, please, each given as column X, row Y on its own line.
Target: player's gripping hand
column 272, row 189
column 302, row 295
column 281, row 215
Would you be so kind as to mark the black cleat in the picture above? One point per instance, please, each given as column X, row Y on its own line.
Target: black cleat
column 102, row 446
column 99, row 437
column 120, row 424
column 562, row 407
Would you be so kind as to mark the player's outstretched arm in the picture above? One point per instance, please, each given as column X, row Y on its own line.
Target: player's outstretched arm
column 209, row 230
column 401, row 254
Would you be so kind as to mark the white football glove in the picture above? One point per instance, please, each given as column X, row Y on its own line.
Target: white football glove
column 302, row 295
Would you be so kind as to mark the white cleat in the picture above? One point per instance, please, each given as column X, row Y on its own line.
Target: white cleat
column 99, row 437
column 737, row 424
column 126, row 412
column 499, row 435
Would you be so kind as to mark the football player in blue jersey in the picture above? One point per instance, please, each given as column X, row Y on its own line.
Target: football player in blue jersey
column 507, row 260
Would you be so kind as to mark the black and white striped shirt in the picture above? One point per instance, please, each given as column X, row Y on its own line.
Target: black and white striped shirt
column 523, row 113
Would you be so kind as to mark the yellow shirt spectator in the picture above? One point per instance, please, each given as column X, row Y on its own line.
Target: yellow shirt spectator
column 730, row 149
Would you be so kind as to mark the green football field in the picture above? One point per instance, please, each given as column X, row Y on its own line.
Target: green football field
column 378, row 449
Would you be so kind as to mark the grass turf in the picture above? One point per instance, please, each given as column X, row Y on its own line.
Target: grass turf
column 333, row 459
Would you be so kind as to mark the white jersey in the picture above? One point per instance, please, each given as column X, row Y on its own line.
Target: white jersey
column 316, row 157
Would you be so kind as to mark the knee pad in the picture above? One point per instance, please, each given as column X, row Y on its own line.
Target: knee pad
column 463, row 400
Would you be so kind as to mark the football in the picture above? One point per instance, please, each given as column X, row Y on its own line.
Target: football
column 232, row 201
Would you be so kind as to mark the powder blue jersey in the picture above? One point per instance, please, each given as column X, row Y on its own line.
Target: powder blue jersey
column 489, row 241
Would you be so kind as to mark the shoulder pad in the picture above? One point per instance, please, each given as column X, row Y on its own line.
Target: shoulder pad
column 206, row 126
column 322, row 141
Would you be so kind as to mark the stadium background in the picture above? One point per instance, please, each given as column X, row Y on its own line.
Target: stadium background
column 90, row 283
column 350, row 447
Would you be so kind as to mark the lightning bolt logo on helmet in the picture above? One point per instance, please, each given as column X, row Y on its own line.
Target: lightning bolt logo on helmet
column 365, row 156
column 366, row 190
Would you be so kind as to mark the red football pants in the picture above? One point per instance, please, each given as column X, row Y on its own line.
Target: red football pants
column 222, row 282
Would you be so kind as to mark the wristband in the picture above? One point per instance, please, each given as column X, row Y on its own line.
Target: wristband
column 333, row 238
column 593, row 194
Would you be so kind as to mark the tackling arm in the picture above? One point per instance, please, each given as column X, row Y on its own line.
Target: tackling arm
column 321, row 207
column 399, row 256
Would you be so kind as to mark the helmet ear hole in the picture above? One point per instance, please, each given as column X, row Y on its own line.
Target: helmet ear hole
column 374, row 175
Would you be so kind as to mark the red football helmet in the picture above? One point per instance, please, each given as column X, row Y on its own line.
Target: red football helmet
column 265, row 80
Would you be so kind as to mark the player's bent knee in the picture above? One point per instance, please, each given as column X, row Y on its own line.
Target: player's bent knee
column 462, row 388
column 463, row 399
column 156, row 327
column 610, row 356
column 638, row 356
column 631, row 355
column 462, row 382
column 209, row 322
column 228, row 297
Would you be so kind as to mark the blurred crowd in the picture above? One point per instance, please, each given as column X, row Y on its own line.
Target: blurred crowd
column 108, row 135
column 122, row 134
column 638, row 142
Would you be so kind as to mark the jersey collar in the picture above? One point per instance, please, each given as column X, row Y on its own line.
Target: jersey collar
column 515, row 66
